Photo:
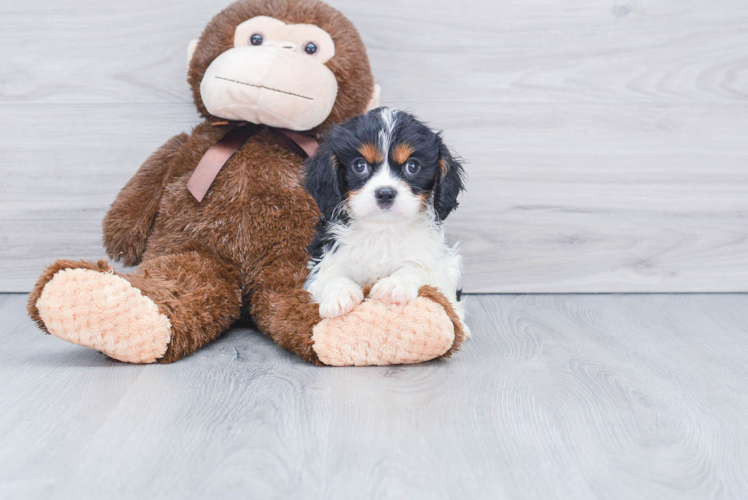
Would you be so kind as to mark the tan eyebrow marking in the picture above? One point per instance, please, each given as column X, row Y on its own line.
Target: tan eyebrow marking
column 402, row 153
column 370, row 153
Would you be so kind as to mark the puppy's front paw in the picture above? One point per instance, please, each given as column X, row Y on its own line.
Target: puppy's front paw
column 394, row 290
column 340, row 298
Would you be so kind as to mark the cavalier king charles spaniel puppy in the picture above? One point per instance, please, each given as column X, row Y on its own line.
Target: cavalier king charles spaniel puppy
column 384, row 183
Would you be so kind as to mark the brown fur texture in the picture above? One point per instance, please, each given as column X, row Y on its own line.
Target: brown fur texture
column 128, row 222
column 244, row 246
column 200, row 295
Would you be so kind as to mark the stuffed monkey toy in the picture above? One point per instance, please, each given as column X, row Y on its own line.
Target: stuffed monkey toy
column 218, row 221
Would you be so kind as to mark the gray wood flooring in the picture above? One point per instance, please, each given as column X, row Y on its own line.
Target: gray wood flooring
column 606, row 142
column 557, row 396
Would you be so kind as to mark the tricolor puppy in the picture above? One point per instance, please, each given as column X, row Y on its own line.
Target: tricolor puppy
column 384, row 183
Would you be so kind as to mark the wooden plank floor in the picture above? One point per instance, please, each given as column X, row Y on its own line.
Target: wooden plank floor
column 557, row 396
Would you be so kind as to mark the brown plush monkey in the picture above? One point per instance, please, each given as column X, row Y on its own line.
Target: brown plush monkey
column 292, row 64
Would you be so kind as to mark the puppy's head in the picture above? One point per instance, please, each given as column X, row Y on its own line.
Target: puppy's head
column 384, row 166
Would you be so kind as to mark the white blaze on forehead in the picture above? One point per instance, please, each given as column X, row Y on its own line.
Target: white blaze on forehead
column 382, row 178
column 389, row 119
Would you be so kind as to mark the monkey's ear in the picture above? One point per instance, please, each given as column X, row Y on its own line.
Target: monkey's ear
column 449, row 181
column 191, row 51
column 374, row 102
column 322, row 180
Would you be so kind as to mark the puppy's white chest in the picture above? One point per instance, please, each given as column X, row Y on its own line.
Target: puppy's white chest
column 373, row 253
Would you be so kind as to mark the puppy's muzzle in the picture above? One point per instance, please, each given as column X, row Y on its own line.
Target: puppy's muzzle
column 385, row 196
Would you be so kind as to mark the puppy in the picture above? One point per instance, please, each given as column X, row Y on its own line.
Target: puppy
column 384, row 183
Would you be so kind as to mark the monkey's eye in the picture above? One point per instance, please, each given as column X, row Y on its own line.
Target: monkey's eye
column 412, row 167
column 360, row 166
column 256, row 39
column 310, row 48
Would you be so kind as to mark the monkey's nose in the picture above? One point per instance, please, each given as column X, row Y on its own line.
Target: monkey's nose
column 385, row 196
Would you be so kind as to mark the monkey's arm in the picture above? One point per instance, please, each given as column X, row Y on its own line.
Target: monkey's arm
column 130, row 218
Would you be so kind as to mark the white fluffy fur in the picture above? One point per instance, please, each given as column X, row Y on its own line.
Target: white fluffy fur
column 397, row 249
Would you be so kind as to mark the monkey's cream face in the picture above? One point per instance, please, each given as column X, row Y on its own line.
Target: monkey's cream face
column 275, row 75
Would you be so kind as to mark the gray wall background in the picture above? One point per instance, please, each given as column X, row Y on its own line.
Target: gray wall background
column 607, row 143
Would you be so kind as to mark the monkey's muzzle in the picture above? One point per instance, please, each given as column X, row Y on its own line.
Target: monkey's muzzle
column 269, row 86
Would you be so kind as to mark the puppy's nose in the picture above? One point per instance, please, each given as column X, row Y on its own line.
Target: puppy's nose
column 385, row 196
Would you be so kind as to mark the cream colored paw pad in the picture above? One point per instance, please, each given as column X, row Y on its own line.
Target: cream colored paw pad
column 378, row 334
column 104, row 312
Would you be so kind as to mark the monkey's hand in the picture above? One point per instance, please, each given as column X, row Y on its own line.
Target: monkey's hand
column 129, row 220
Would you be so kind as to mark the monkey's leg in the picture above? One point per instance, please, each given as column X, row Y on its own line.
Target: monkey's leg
column 372, row 334
column 378, row 334
column 284, row 311
column 168, row 308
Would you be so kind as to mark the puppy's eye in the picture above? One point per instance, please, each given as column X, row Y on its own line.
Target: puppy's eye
column 360, row 167
column 310, row 48
column 256, row 39
column 412, row 167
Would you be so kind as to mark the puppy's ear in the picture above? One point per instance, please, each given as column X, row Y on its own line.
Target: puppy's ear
column 449, row 181
column 322, row 179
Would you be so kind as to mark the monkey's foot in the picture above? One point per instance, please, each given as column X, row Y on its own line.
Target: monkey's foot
column 375, row 333
column 103, row 311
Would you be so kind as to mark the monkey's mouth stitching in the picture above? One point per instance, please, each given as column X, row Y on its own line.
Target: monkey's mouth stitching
column 266, row 88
